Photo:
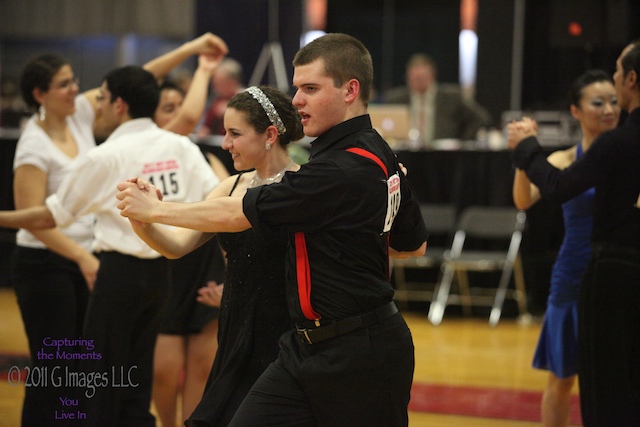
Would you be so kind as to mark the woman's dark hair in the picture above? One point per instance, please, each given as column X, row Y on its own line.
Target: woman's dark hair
column 584, row 80
column 38, row 73
column 169, row 84
column 137, row 87
column 257, row 117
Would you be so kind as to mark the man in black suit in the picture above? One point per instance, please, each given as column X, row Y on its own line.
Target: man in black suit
column 437, row 110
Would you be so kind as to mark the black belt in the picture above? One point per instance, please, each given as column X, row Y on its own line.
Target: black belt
column 341, row 327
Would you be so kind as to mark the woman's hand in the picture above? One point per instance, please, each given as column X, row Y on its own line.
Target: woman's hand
column 519, row 130
column 211, row 294
column 89, row 265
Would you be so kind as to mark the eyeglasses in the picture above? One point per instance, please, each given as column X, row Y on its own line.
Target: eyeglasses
column 64, row 84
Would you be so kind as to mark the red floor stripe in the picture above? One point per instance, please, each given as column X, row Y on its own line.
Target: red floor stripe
column 483, row 402
column 11, row 361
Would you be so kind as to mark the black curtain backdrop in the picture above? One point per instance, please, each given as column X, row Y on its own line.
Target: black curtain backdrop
column 244, row 25
column 495, row 30
column 553, row 58
column 393, row 30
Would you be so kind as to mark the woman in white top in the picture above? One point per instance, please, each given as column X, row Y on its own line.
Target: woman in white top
column 52, row 270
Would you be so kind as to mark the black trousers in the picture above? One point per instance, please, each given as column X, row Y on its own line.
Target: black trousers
column 52, row 295
column 362, row 378
column 609, row 338
column 122, row 319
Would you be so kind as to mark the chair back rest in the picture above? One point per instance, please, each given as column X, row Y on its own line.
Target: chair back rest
column 439, row 219
column 495, row 224
column 491, row 222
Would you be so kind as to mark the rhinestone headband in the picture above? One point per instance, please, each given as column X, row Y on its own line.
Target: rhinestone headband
column 268, row 108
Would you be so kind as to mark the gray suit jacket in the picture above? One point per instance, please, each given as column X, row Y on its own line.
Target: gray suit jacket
column 455, row 117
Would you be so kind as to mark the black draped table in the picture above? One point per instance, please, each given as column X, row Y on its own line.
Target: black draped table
column 462, row 178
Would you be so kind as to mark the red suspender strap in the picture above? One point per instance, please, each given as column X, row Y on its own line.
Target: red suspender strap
column 304, row 277
column 302, row 257
column 369, row 155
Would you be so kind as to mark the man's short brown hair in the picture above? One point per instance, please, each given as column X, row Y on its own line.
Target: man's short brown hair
column 345, row 58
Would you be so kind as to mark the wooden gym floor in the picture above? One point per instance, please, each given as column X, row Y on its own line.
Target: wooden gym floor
column 463, row 367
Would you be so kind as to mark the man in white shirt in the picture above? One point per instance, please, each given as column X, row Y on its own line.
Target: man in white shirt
column 133, row 280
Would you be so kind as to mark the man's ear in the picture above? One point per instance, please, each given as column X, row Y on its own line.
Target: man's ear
column 632, row 78
column 353, row 91
column 122, row 107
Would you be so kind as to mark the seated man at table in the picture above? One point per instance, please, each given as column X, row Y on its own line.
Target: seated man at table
column 438, row 111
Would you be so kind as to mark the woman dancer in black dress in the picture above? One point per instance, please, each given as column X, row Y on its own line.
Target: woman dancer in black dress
column 260, row 122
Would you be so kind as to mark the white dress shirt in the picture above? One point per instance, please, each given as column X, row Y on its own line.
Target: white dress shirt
column 137, row 148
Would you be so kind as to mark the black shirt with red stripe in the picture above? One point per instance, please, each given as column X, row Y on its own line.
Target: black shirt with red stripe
column 334, row 209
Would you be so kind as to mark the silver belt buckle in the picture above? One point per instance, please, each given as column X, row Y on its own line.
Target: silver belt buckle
column 304, row 332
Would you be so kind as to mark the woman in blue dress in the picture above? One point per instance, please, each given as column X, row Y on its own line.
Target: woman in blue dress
column 593, row 103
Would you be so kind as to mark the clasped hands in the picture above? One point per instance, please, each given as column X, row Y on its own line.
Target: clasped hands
column 518, row 130
column 137, row 199
column 209, row 44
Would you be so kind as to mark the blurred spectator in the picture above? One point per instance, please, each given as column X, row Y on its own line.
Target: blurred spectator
column 437, row 110
column 226, row 82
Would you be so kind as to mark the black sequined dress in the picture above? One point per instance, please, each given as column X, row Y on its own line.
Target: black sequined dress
column 252, row 317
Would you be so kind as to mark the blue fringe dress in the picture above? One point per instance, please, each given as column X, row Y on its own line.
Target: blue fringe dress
column 557, row 349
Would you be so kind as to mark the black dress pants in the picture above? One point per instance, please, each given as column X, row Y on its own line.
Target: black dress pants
column 52, row 295
column 609, row 338
column 122, row 319
column 359, row 379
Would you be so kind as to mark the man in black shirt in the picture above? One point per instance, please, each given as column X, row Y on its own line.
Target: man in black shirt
column 609, row 305
column 350, row 360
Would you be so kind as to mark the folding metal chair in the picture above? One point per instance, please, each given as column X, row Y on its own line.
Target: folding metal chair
column 440, row 220
column 483, row 223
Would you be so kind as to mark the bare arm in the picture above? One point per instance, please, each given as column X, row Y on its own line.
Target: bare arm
column 205, row 44
column 171, row 243
column 223, row 214
column 29, row 191
column 218, row 167
column 92, row 97
column 35, row 218
column 525, row 193
column 196, row 98
column 407, row 254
